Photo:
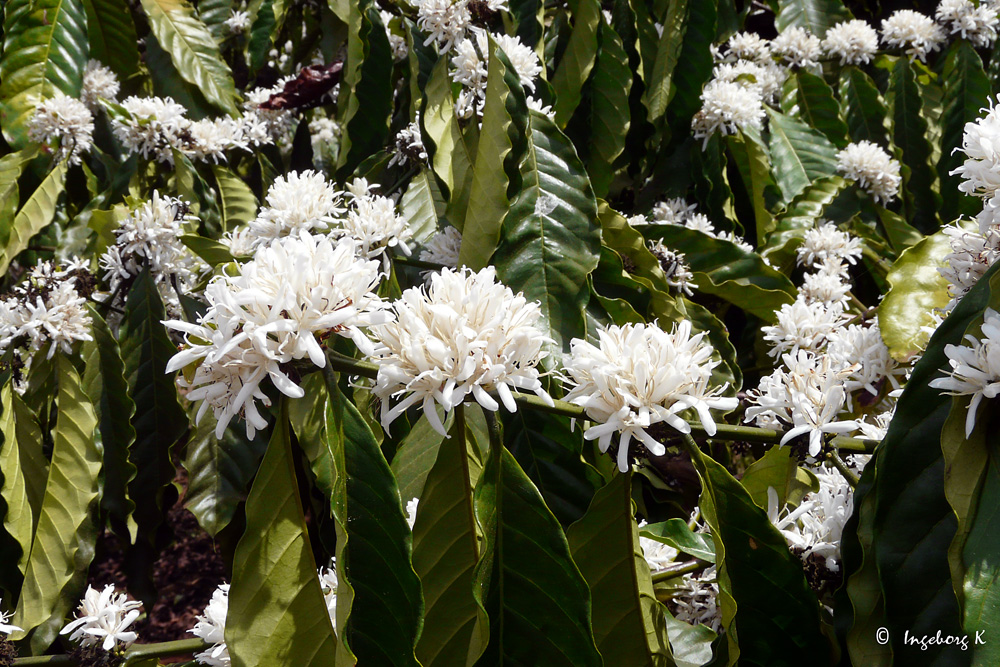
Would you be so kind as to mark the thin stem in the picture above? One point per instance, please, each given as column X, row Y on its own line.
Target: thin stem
column 857, row 303
column 673, row 573
column 839, row 464
column 493, row 426
column 418, row 263
column 135, row 654
column 402, row 179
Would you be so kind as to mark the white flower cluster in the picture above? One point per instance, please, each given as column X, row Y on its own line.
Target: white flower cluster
column 674, row 267
column 976, row 22
column 676, row 211
column 972, row 253
column 764, row 79
column 980, row 171
column 103, row 619
column 975, row 367
column 270, row 313
column 873, row 169
column 854, row 42
column 447, row 22
column 155, row 127
column 727, row 107
column 797, row 47
column 5, row 627
column 695, row 600
column 465, row 335
column 396, row 42
column 917, row 34
column 817, row 524
column 826, row 242
column 99, row 83
column 659, row 556
column 749, row 46
column 640, row 375
column 150, row 238
column 409, row 145
column 64, row 123
column 443, row 248
column 238, row 22
column 211, row 628
column 45, row 308
column 470, row 69
column 278, row 123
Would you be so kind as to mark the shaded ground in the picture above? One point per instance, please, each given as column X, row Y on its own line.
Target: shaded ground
column 186, row 574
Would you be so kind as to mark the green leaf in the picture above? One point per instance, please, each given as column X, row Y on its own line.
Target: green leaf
column 914, row 523
column 754, row 163
column 11, row 166
column 367, row 88
column 64, row 540
column 159, row 420
column 770, row 614
column 610, row 84
column 660, row 85
column 214, row 13
column 799, row 155
column 45, row 50
column 863, row 107
column 916, row 290
column 277, row 614
column 422, row 205
column 35, row 215
column 909, row 133
column 238, row 203
column 219, row 473
column 537, row 601
column 105, row 384
column 453, row 152
column 577, row 60
column 192, row 51
column 111, row 32
column 676, row 533
column 416, row 456
column 373, row 545
column 726, row 270
column 803, row 213
column 213, row 252
column 966, row 91
column 819, row 109
column 551, row 239
column 817, row 16
column 262, row 34
column 22, row 473
column 696, row 67
column 445, row 553
column 495, row 174
column 629, row 624
column 168, row 82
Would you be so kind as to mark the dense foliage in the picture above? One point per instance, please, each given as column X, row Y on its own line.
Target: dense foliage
column 504, row 331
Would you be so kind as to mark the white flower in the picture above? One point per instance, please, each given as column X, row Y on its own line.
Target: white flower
column 825, row 288
column 276, row 123
column 972, row 253
column 375, row 225
column 674, row 267
column 639, row 375
column 470, row 70
column 535, row 104
column 211, row 628
column 152, row 127
column 872, row 168
column 808, row 397
column 827, row 242
column 981, row 170
column 397, row 43
column 300, row 201
column 854, row 42
column 658, row 555
column 802, row 326
column 797, row 47
column 64, row 121
column 911, row 30
column 727, row 108
column 444, row 21
column 106, row 615
column 765, row 80
column 817, row 524
column 673, row 211
column 465, row 335
column 238, row 22
column 749, row 46
column 875, row 430
column 411, row 511
column 975, row 367
column 328, row 584
column 977, row 23
column 6, row 628
column 443, row 248
column 409, row 145
column 99, row 82
column 861, row 349
column 270, row 313
column 694, row 601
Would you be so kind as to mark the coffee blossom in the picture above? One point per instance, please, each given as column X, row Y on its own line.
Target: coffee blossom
column 64, row 123
column 443, row 248
column 299, row 201
column 99, row 83
column 103, row 619
column 727, row 108
column 975, row 367
column 976, row 22
column 912, row 31
column 827, row 242
column 802, row 326
column 640, row 375
column 854, row 42
column 972, row 253
column 980, row 171
column 465, row 335
column 749, row 46
column 797, row 47
column 872, row 168
column 211, row 628
column 5, row 627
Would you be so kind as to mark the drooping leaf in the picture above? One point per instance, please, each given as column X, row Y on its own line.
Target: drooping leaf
column 610, row 84
column 192, row 51
column 577, row 60
column 237, row 201
column 445, row 553
column 112, row 37
column 45, row 50
column 495, row 174
column 34, row 216
column 863, row 107
column 799, row 155
column 105, row 384
column 677, row 534
column 63, row 544
column 422, row 205
column 629, row 624
column 277, row 614
column 213, row 252
column 551, row 238
column 159, row 420
column 816, row 16
column 21, row 469
column 452, row 151
column 660, row 84
column 537, row 601
column 416, row 456
column 754, row 163
column 819, row 109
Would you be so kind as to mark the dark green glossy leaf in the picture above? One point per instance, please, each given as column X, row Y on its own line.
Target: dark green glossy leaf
column 237, row 201
column 660, row 84
column 577, row 60
column 863, row 107
column 416, row 455
column 34, row 216
column 754, row 163
column 610, row 84
column 63, row 544
column 112, row 36
column 213, row 252
column 629, row 624
column 277, row 614
column 214, row 13
column 45, row 50
column 803, row 213
column 696, row 65
column 817, row 16
column 551, row 239
column 819, row 109
column 679, row 535
column 799, row 155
